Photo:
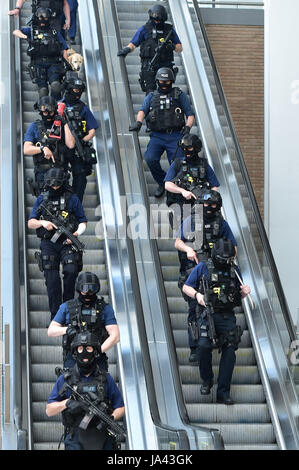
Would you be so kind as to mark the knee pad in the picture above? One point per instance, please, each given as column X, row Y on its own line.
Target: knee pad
column 43, row 91
column 230, row 338
column 50, row 263
column 55, row 87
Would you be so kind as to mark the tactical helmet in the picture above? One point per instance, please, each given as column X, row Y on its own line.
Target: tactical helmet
column 85, row 338
column 191, row 140
column 88, row 282
column 43, row 15
column 164, row 74
column 210, row 196
column 55, row 177
column 223, row 251
column 72, row 80
column 158, row 12
column 46, row 103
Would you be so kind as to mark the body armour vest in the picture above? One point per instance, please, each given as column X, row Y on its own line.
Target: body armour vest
column 55, row 5
column 190, row 175
column 88, row 318
column 224, row 288
column 156, row 35
column 211, row 233
column 77, row 122
column 166, row 112
column 55, row 144
column 44, row 43
column 91, row 438
column 59, row 206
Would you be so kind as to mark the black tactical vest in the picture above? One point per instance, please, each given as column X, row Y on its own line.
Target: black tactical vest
column 55, row 5
column 60, row 207
column 224, row 288
column 165, row 112
column 88, row 319
column 96, row 385
column 190, row 175
column 211, row 233
column 44, row 44
column 77, row 123
column 56, row 144
column 156, row 33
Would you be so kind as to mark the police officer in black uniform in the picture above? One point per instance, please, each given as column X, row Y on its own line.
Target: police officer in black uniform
column 95, row 384
column 165, row 110
column 58, row 249
column 225, row 293
column 150, row 37
column 83, row 124
column 187, row 177
column 48, row 52
column 47, row 140
column 87, row 312
column 59, row 9
column 195, row 241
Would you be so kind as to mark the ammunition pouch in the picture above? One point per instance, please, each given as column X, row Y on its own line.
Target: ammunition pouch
column 33, row 73
column 194, row 331
column 73, row 257
column 230, row 338
column 38, row 257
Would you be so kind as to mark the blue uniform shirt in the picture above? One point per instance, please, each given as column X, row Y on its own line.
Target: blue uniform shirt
column 74, row 206
column 64, row 46
column 62, row 316
column 112, row 391
column 183, row 100
column 141, row 35
column 87, row 115
column 188, row 226
column 211, row 177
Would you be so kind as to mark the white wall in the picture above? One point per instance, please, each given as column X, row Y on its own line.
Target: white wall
column 282, row 141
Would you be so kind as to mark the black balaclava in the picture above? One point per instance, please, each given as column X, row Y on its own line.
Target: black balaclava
column 164, row 88
column 191, row 156
column 88, row 366
column 88, row 299
column 56, row 193
column 48, row 120
column 209, row 213
column 71, row 97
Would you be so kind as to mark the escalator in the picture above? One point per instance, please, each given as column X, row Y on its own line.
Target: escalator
column 252, row 422
column 45, row 352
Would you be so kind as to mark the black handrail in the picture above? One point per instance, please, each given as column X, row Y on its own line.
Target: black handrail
column 259, row 222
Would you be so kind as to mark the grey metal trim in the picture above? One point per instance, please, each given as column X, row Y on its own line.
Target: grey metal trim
column 233, row 16
column 276, row 376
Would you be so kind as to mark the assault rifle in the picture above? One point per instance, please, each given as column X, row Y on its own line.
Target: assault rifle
column 93, row 408
column 159, row 50
column 62, row 229
column 209, row 311
column 84, row 149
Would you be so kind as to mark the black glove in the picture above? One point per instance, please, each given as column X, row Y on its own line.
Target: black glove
column 73, row 406
column 123, row 52
column 186, row 130
column 71, row 332
column 136, row 127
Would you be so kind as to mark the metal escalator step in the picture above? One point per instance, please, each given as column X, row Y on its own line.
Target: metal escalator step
column 47, row 431
column 244, row 433
column 181, row 338
column 244, row 356
column 241, row 375
column 179, row 320
column 46, row 372
column 240, row 393
column 237, row 413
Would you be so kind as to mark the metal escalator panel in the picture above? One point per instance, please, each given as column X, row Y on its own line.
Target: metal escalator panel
column 270, row 328
column 253, row 422
column 164, row 260
column 44, row 352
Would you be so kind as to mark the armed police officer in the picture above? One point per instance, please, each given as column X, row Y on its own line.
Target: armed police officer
column 88, row 399
column 72, row 30
column 59, row 9
column 47, row 140
column 187, row 177
column 165, row 110
column 82, row 125
column 195, row 241
column 48, row 53
column 87, row 312
column 157, row 40
column 216, row 289
column 58, row 218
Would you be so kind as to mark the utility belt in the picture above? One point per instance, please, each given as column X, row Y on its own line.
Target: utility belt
column 43, row 60
column 169, row 131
